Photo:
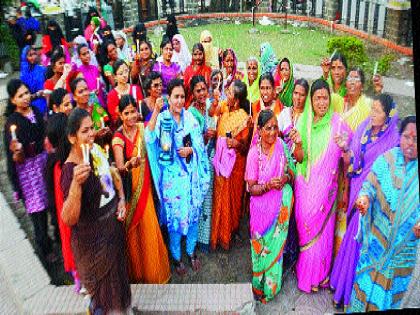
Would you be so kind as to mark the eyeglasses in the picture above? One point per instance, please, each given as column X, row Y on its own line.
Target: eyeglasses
column 271, row 128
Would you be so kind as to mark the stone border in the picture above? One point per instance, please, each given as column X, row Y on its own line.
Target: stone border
column 301, row 18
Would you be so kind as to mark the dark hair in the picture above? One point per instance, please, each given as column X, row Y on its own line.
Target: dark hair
column 264, row 116
column 148, row 44
column 153, row 75
column 171, row 28
column 74, row 122
column 91, row 13
column 80, row 46
column 140, row 33
column 284, row 60
column 55, row 57
column 240, row 93
column 165, row 41
column 338, row 56
column 118, row 64
column 56, row 97
column 387, row 102
column 407, row 120
column 58, row 31
column 125, row 101
column 12, row 87
column 104, row 37
column 195, row 80
column 319, row 85
column 266, row 76
column 173, row 84
column 359, row 72
column 74, row 83
column 198, row 46
column 303, row 83
column 56, row 128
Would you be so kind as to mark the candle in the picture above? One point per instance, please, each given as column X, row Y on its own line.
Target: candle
column 332, row 55
column 165, row 147
column 375, row 70
column 107, row 151
column 13, row 132
column 138, row 151
column 102, row 123
column 85, row 152
column 134, row 93
column 138, row 46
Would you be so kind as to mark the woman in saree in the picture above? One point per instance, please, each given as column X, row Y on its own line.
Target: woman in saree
column 334, row 72
column 144, row 61
column 316, row 188
column 230, row 68
column 211, row 52
column 233, row 135
column 33, row 75
column 200, row 107
column 94, row 207
column 56, row 74
column 376, row 135
column 284, row 82
column 252, row 79
column 153, row 88
column 180, row 169
column 268, row 59
column 147, row 254
column 197, row 67
column 389, row 226
column 269, row 176
column 353, row 108
column 267, row 98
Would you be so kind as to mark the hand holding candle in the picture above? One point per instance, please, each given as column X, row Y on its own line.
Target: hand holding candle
column 13, row 132
column 107, row 151
column 102, row 123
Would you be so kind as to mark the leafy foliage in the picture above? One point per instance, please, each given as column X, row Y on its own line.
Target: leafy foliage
column 11, row 47
column 351, row 47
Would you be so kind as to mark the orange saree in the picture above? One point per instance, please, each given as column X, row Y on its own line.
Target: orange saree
column 228, row 192
column 147, row 254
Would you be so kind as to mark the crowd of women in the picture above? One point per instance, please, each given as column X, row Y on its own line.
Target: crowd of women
column 133, row 148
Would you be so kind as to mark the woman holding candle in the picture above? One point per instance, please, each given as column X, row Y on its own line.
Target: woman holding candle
column 376, row 135
column 284, row 82
column 60, row 102
column 200, row 109
column 252, row 79
column 233, row 135
column 123, row 87
column 144, row 61
column 269, row 176
column 26, row 159
column 168, row 69
column 316, row 188
column 147, row 254
column 33, row 75
column 180, row 169
column 334, row 72
column 153, row 87
column 93, row 206
column 389, row 235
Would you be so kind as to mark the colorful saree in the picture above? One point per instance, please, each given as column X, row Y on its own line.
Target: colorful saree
column 364, row 152
column 353, row 117
column 228, row 192
column 204, row 222
column 388, row 244
column 147, row 254
column 286, row 93
column 315, row 193
column 254, row 88
column 342, row 91
column 269, row 219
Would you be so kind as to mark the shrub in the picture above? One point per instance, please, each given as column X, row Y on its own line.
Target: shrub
column 384, row 63
column 351, row 47
column 11, row 47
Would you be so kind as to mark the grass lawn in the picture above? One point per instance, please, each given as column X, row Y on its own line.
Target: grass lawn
column 301, row 45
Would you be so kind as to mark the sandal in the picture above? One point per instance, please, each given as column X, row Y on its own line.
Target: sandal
column 195, row 263
column 180, row 268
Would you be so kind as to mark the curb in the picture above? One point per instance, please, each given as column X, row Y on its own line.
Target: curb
column 407, row 51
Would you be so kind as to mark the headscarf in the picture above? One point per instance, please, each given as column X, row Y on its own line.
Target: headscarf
column 211, row 52
column 253, row 89
column 183, row 58
column 106, row 34
column 286, row 95
column 55, row 36
column 78, row 40
column 124, row 53
column 231, row 77
column 268, row 58
column 91, row 13
column 139, row 33
column 171, row 28
column 308, row 129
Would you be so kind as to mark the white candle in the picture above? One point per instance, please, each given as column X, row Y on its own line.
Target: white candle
column 332, row 55
column 139, row 151
column 13, row 132
column 102, row 122
column 97, row 83
column 375, row 70
column 134, row 93
column 138, row 46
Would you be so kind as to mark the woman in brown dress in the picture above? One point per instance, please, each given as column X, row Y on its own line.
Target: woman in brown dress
column 94, row 199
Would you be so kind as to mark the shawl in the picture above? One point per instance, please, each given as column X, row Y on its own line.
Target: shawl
column 342, row 91
column 253, row 89
column 33, row 75
column 183, row 58
column 76, row 59
column 233, row 76
column 211, row 52
column 286, row 95
column 124, row 53
column 268, row 58
column 354, row 116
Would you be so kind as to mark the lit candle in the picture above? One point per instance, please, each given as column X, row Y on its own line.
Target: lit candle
column 107, row 151
column 375, row 70
column 138, row 46
column 102, row 122
column 13, row 132
column 332, row 55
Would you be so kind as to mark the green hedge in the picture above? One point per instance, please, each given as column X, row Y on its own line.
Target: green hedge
column 12, row 48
